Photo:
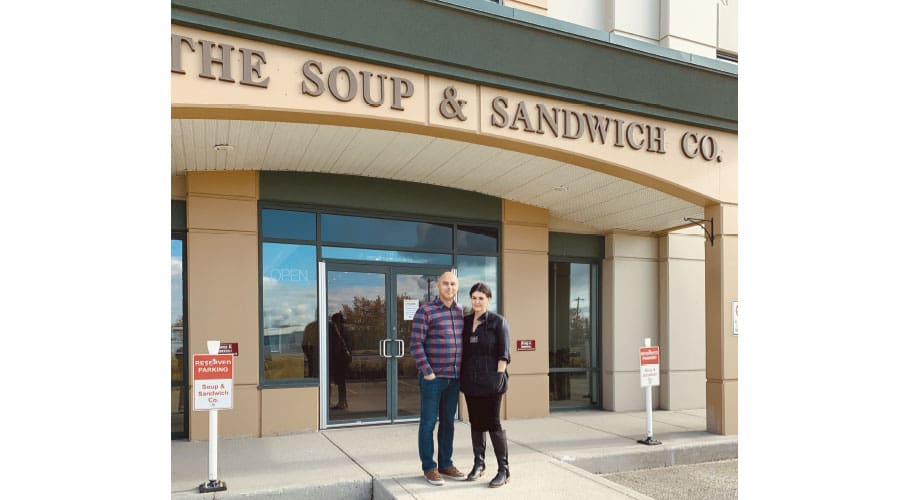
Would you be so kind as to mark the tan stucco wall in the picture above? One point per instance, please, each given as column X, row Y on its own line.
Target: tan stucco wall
column 630, row 314
column 525, row 243
column 682, row 320
column 290, row 410
column 721, row 289
column 222, row 287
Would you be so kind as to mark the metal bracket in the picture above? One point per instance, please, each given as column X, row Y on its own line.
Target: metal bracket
column 700, row 223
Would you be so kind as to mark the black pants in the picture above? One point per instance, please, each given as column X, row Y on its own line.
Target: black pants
column 483, row 412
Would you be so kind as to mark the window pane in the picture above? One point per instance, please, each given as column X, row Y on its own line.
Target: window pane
column 569, row 390
column 386, row 256
column 570, row 302
column 178, row 352
column 290, row 332
column 385, row 232
column 473, row 269
column 288, row 224
column 477, row 239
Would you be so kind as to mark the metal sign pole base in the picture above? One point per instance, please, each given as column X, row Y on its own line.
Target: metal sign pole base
column 212, row 485
column 649, row 441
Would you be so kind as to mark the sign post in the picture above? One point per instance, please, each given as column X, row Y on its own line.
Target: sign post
column 213, row 387
column 649, row 365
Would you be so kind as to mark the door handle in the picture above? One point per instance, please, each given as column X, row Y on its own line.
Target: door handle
column 400, row 348
column 383, row 350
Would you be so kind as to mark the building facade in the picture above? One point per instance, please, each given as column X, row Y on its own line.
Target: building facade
column 331, row 159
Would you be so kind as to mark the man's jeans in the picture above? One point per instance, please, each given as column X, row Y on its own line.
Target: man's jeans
column 438, row 398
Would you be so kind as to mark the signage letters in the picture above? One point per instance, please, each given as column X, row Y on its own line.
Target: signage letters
column 345, row 85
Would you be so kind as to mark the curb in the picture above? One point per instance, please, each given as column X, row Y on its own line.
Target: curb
column 636, row 458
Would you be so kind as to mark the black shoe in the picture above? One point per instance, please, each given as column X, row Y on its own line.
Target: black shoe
column 479, row 443
column 502, row 477
column 501, row 448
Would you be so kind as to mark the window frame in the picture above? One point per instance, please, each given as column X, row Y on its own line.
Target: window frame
column 319, row 210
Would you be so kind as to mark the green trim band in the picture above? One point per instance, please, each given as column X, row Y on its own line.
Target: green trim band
column 373, row 194
column 588, row 246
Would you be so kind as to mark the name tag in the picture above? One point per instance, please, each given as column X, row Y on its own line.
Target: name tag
column 472, row 339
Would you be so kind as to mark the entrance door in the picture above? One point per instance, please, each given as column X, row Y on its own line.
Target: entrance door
column 370, row 376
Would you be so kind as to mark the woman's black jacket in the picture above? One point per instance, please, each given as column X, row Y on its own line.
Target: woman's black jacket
column 482, row 350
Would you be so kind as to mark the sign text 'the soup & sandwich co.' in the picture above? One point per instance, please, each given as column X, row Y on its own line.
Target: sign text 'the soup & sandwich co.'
column 378, row 89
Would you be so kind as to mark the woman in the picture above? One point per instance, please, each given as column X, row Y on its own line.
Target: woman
column 484, row 380
column 340, row 354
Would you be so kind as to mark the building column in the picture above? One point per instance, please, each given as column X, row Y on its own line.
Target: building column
column 223, row 287
column 630, row 314
column 689, row 26
column 682, row 320
column 720, row 345
column 525, row 244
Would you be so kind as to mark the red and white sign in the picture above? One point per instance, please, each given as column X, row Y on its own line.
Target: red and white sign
column 649, row 363
column 229, row 348
column 213, row 381
column 527, row 345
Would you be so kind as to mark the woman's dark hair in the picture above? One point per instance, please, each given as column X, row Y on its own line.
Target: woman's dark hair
column 482, row 288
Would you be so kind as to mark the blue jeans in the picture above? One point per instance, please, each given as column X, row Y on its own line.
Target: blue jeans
column 438, row 399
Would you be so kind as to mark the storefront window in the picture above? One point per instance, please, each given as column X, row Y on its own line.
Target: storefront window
column 471, row 269
column 292, row 241
column 371, row 255
column 289, row 327
column 375, row 232
column 472, row 239
column 572, row 342
column 288, row 224
column 178, row 342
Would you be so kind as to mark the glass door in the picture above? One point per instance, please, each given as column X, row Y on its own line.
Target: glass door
column 370, row 376
column 355, row 320
column 412, row 289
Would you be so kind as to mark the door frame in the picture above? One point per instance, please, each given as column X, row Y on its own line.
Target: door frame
column 391, row 270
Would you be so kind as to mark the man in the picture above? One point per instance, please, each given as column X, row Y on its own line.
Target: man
column 436, row 347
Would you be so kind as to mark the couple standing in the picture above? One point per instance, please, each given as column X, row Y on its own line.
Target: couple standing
column 467, row 353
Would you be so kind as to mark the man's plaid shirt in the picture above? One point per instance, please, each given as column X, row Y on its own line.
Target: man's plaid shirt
column 436, row 339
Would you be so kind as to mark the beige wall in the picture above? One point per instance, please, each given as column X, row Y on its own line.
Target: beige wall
column 721, row 289
column 222, row 287
column 525, row 243
column 728, row 26
column 289, row 410
column 535, row 6
column 638, row 19
column 682, row 320
column 630, row 314
column 689, row 26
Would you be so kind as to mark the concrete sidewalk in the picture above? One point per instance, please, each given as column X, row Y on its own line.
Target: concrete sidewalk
column 553, row 457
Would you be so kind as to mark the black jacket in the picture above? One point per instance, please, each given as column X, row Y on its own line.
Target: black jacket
column 482, row 350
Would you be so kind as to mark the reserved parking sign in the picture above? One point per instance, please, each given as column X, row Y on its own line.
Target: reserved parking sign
column 213, row 382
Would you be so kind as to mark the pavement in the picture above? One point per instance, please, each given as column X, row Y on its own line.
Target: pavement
column 559, row 456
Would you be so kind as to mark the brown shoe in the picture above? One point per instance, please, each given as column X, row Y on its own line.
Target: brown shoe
column 453, row 473
column 432, row 476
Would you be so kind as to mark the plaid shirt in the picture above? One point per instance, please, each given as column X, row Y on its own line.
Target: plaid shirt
column 436, row 339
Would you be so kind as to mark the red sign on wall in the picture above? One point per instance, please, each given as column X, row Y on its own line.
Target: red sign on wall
column 527, row 345
column 229, row 348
